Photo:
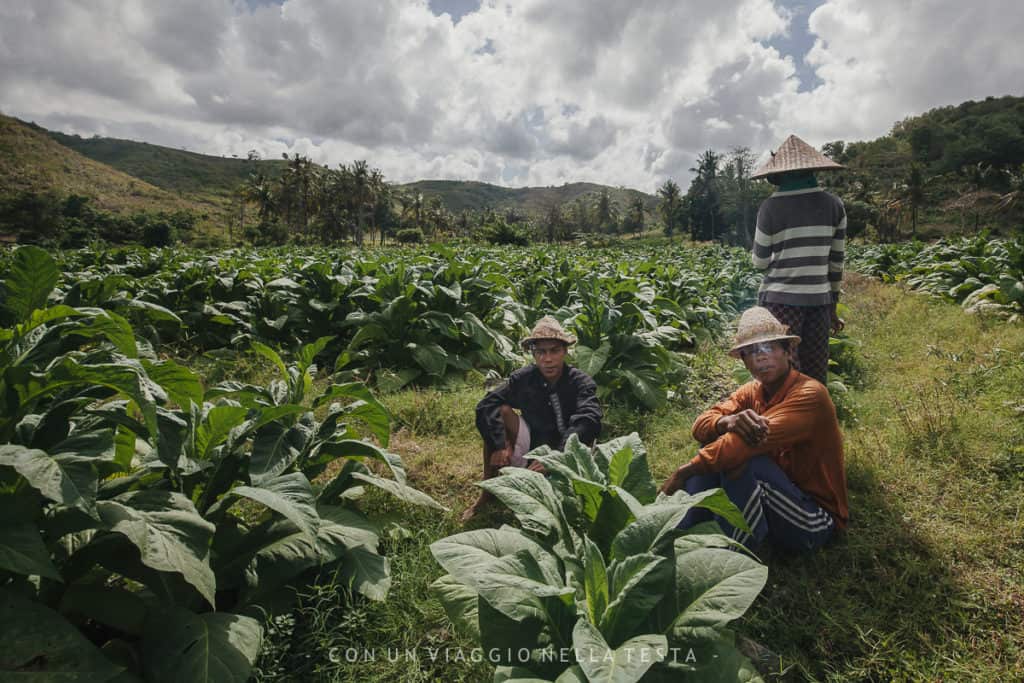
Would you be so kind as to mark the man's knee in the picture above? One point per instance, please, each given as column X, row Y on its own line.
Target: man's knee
column 757, row 465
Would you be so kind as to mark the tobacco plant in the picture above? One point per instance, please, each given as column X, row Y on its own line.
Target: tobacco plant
column 597, row 583
column 148, row 525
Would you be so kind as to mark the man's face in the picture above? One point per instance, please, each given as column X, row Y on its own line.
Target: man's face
column 550, row 357
column 768, row 362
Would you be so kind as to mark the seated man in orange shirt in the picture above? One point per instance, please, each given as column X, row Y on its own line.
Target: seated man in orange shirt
column 774, row 446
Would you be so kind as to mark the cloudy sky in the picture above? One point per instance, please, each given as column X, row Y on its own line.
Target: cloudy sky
column 513, row 92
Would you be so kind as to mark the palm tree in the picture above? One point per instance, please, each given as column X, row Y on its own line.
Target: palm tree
column 299, row 187
column 671, row 202
column 914, row 186
column 257, row 188
column 743, row 164
column 635, row 217
column 705, row 187
column 606, row 212
column 412, row 206
column 361, row 197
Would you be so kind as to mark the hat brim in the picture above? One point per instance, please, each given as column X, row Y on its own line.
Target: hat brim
column 568, row 340
column 735, row 351
column 768, row 170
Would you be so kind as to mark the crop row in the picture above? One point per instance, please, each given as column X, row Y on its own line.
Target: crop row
column 149, row 523
column 982, row 274
column 420, row 317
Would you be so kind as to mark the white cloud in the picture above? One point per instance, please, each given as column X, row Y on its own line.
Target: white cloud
column 520, row 92
column 883, row 61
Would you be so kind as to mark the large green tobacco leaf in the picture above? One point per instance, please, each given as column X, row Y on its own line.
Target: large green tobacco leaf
column 289, row 495
column 370, row 411
column 22, row 551
column 704, row 654
column 181, row 384
column 271, row 355
column 659, row 521
column 341, row 529
column 637, row 584
column 637, row 478
column 169, row 533
column 431, row 357
column 275, row 449
column 626, row 664
column 399, row 490
column 460, row 603
column 121, row 378
column 576, row 461
column 595, row 581
column 215, row 647
column 475, row 558
column 366, row 572
column 67, row 479
column 102, row 323
column 530, row 497
column 592, row 361
column 31, row 276
column 40, row 645
column 714, row 585
column 215, row 428
column 263, row 558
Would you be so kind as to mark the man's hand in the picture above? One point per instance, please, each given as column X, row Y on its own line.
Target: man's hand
column 836, row 324
column 750, row 426
column 536, row 466
column 678, row 479
column 501, row 457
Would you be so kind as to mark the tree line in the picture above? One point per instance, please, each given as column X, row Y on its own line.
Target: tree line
column 308, row 202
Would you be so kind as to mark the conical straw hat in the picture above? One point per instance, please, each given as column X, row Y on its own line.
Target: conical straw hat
column 547, row 328
column 795, row 155
column 757, row 325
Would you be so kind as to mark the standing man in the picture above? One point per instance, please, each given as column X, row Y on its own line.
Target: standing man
column 554, row 401
column 774, row 446
column 800, row 242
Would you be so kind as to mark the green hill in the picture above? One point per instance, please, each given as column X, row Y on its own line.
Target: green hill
column 30, row 161
column 458, row 196
column 172, row 169
column 213, row 177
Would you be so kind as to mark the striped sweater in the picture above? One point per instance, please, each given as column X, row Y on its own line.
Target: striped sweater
column 800, row 241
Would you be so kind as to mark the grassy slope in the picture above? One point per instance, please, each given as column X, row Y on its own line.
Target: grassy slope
column 926, row 585
column 30, row 160
column 172, row 169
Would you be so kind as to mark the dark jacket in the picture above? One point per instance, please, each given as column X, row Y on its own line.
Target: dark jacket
column 527, row 391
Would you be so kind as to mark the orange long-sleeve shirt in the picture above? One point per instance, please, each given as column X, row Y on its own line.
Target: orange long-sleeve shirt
column 803, row 439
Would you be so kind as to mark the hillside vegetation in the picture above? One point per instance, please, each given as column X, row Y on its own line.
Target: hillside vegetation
column 457, row 195
column 171, row 169
column 31, row 161
column 952, row 169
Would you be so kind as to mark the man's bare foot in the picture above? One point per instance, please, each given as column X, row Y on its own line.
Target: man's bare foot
column 474, row 510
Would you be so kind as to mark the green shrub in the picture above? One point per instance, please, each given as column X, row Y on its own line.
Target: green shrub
column 410, row 236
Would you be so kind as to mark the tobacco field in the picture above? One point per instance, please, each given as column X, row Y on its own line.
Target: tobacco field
column 192, row 444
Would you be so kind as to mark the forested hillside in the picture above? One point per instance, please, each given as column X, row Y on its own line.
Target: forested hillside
column 953, row 169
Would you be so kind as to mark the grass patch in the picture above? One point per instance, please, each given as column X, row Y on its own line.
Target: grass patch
column 334, row 636
column 926, row 583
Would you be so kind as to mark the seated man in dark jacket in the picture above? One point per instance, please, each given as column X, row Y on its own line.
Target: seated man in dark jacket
column 553, row 400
